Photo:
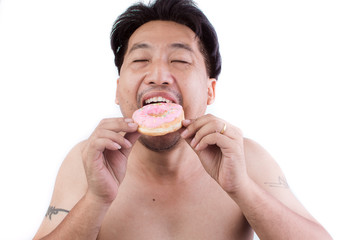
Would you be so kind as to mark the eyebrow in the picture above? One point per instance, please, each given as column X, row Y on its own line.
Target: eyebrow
column 182, row 46
column 139, row 46
column 173, row 45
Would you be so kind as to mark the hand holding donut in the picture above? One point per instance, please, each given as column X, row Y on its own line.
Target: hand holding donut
column 220, row 148
column 105, row 156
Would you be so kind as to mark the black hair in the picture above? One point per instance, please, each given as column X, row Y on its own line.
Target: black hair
column 180, row 11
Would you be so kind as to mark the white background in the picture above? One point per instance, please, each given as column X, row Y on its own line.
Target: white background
column 290, row 79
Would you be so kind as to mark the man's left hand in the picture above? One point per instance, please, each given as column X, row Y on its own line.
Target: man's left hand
column 220, row 147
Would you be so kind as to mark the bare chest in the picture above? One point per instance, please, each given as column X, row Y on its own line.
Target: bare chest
column 174, row 215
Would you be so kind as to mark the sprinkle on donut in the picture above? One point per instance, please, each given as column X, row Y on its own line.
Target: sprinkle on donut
column 159, row 118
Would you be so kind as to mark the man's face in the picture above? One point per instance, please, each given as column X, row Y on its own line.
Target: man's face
column 163, row 62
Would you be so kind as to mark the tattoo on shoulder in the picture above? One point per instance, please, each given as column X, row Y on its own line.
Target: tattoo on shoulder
column 53, row 210
column 281, row 183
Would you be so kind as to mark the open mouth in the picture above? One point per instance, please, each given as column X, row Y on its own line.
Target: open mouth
column 156, row 100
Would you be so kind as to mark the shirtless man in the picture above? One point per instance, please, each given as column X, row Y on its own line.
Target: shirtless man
column 204, row 181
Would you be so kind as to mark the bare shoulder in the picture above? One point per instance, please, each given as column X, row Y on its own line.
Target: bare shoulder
column 260, row 164
column 71, row 177
column 70, row 186
column 266, row 173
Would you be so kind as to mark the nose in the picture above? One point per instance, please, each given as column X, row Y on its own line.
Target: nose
column 159, row 74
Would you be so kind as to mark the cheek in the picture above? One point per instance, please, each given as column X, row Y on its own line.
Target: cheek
column 195, row 102
column 126, row 94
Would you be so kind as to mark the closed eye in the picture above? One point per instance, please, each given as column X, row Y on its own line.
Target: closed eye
column 140, row 60
column 179, row 61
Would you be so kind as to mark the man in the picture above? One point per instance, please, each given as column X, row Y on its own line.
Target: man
column 204, row 181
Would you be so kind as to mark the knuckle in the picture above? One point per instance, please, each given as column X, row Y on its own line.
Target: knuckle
column 238, row 132
column 120, row 137
column 95, row 134
column 103, row 121
column 218, row 126
column 92, row 144
column 120, row 120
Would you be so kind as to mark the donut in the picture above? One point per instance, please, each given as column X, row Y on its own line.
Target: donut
column 158, row 119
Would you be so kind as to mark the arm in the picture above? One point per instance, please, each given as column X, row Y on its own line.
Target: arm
column 267, row 202
column 85, row 217
column 248, row 174
column 88, row 182
column 83, row 221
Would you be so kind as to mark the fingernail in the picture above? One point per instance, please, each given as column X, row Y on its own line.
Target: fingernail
column 117, row 145
column 128, row 143
column 132, row 124
column 128, row 120
column 186, row 122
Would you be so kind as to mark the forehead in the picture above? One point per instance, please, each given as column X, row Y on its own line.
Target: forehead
column 159, row 33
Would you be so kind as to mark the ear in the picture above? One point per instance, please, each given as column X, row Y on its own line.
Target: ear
column 117, row 92
column 211, row 90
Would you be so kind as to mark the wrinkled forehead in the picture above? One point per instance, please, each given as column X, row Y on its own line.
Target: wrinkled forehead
column 163, row 33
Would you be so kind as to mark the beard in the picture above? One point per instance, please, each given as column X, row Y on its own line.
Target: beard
column 165, row 142
column 160, row 143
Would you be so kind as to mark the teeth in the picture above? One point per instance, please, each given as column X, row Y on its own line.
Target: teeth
column 157, row 99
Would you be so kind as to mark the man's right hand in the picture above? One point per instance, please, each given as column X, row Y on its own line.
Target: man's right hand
column 105, row 156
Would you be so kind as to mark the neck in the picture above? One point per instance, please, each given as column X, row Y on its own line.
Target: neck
column 173, row 166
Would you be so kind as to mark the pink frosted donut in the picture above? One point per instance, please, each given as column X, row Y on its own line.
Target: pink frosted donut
column 159, row 118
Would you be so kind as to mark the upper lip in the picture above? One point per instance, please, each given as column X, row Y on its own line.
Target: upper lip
column 167, row 95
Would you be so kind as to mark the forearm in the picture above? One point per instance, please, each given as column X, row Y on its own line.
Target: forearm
column 82, row 222
column 271, row 219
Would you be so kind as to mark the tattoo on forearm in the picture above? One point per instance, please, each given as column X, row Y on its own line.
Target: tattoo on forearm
column 281, row 183
column 53, row 210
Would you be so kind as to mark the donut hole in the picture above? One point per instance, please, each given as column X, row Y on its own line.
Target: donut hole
column 158, row 113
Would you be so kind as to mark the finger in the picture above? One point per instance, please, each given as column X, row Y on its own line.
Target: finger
column 193, row 126
column 115, row 137
column 132, row 138
column 184, row 131
column 117, row 164
column 188, row 131
column 206, row 129
column 187, row 122
column 118, row 124
column 221, row 126
column 218, row 139
column 96, row 147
